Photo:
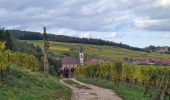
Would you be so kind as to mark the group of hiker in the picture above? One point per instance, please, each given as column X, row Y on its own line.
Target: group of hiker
column 67, row 72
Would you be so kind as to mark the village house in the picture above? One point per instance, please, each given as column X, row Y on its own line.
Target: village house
column 93, row 61
column 75, row 62
column 163, row 62
column 149, row 61
column 70, row 62
column 162, row 50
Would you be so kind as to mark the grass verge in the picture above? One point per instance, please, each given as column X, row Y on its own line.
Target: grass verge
column 26, row 85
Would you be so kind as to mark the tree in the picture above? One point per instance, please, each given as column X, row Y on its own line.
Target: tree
column 1, row 34
column 8, row 40
column 6, row 37
column 168, row 48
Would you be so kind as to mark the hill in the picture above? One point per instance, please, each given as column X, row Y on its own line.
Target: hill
column 95, row 51
column 20, row 73
column 27, row 35
column 23, row 84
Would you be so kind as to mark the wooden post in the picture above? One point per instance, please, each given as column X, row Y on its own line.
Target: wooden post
column 46, row 69
column 159, row 87
column 1, row 74
column 165, row 91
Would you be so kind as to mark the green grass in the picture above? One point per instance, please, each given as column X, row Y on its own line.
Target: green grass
column 27, row 85
column 96, row 51
column 126, row 92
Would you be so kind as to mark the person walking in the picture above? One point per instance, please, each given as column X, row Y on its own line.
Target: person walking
column 61, row 73
column 67, row 72
column 64, row 72
column 73, row 72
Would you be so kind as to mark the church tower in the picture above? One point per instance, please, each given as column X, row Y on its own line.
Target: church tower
column 81, row 56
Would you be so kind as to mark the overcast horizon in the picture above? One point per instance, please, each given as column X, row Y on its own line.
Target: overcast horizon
column 138, row 23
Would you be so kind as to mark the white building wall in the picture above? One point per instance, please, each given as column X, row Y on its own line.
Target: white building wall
column 81, row 58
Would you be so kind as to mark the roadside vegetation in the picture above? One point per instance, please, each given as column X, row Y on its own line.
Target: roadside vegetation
column 23, row 84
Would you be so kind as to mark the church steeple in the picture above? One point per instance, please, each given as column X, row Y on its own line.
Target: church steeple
column 81, row 49
column 81, row 56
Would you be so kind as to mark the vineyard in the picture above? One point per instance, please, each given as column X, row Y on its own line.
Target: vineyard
column 95, row 51
column 149, row 77
column 8, row 58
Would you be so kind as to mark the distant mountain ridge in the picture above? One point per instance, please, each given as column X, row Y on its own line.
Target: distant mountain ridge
column 28, row 35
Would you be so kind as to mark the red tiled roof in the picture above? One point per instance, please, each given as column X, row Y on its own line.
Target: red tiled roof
column 165, row 61
column 90, row 62
column 162, row 50
column 147, row 59
column 70, row 60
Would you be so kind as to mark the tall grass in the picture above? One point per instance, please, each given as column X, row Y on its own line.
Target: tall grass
column 26, row 85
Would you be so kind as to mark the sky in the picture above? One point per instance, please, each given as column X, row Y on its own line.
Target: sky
column 138, row 23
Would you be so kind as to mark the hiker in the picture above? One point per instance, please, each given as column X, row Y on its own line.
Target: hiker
column 66, row 72
column 61, row 73
column 73, row 72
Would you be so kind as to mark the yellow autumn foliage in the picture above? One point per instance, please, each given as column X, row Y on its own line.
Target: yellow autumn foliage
column 2, row 45
column 8, row 57
column 140, row 74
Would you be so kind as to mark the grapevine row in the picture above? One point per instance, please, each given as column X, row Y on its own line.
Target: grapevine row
column 8, row 57
column 124, row 73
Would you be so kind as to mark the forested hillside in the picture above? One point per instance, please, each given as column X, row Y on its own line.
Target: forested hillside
column 26, row 35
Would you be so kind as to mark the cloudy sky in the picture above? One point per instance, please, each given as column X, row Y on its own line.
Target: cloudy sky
column 135, row 22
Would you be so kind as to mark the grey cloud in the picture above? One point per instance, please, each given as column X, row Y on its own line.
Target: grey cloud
column 83, row 15
column 162, row 26
column 154, row 11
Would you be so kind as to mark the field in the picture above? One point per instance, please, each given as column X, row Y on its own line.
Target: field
column 95, row 51
column 26, row 85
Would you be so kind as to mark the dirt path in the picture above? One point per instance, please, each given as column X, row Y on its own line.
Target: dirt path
column 82, row 91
